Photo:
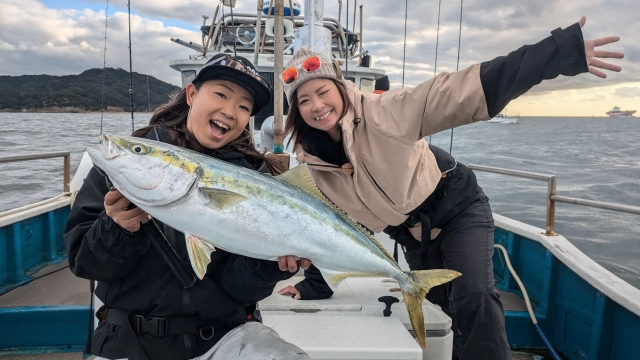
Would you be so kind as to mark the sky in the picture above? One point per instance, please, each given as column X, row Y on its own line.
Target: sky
column 63, row 37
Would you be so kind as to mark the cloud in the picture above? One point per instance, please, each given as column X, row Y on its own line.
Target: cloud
column 628, row 92
column 64, row 41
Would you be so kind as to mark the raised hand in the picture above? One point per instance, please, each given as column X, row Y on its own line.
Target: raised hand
column 592, row 55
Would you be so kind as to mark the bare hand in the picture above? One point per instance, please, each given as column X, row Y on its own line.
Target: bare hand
column 290, row 290
column 290, row 263
column 115, row 205
column 592, row 62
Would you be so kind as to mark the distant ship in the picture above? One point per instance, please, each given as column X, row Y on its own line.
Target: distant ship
column 616, row 112
column 504, row 119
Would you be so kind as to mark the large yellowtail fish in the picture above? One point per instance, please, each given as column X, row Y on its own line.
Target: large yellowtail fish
column 221, row 205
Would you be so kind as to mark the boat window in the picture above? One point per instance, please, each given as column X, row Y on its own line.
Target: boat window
column 366, row 85
column 187, row 77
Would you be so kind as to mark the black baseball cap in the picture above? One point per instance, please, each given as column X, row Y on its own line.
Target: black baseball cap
column 240, row 71
column 382, row 83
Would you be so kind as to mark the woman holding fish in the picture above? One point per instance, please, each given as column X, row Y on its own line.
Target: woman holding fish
column 367, row 154
column 148, row 313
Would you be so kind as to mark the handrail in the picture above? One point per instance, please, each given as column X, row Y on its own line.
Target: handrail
column 39, row 156
column 552, row 198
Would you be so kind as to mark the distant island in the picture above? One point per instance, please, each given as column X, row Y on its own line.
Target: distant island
column 82, row 93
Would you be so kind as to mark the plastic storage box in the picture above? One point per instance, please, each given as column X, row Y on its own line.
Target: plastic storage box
column 351, row 324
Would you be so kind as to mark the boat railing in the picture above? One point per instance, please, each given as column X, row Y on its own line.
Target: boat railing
column 48, row 155
column 553, row 197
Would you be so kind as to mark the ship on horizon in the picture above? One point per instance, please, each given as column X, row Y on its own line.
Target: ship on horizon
column 616, row 112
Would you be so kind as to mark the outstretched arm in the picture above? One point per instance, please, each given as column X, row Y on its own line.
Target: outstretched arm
column 483, row 90
column 565, row 52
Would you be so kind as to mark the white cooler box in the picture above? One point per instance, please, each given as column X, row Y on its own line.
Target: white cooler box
column 351, row 324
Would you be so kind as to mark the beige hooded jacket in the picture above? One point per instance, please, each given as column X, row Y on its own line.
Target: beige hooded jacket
column 393, row 169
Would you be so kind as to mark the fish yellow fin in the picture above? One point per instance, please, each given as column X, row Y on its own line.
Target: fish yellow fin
column 334, row 278
column 421, row 282
column 300, row 177
column 199, row 254
column 222, row 199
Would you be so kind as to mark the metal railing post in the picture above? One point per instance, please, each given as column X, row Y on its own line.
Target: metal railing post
column 551, row 206
column 67, row 174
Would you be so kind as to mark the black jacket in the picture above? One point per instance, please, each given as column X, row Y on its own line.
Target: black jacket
column 503, row 79
column 133, row 277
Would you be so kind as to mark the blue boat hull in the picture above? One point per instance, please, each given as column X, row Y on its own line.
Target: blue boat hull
column 581, row 321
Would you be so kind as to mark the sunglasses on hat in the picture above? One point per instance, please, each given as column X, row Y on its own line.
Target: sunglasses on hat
column 229, row 61
column 310, row 64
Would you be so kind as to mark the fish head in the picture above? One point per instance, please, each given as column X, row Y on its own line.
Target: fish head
column 146, row 172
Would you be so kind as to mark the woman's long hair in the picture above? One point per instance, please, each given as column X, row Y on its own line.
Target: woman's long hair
column 174, row 115
column 301, row 132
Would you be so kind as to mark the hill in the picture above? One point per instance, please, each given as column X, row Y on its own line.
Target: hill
column 81, row 93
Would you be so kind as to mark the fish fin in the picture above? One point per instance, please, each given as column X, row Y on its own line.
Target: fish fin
column 420, row 282
column 199, row 254
column 222, row 199
column 300, row 177
column 334, row 278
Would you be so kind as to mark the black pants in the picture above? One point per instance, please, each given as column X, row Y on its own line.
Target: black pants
column 472, row 301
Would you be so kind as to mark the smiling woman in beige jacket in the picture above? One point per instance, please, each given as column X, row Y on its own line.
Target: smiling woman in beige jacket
column 367, row 154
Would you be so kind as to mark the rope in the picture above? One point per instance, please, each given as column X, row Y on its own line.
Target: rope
column 34, row 205
column 104, row 62
column 525, row 295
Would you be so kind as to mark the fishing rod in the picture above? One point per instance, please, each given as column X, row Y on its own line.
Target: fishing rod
column 435, row 65
column 104, row 63
column 130, row 67
column 404, row 53
column 147, row 71
column 92, row 283
column 457, row 65
column 346, row 45
column 232, row 3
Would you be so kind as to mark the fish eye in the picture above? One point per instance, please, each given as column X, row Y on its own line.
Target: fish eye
column 139, row 149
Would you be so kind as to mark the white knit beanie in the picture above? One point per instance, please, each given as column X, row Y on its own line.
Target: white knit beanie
column 327, row 70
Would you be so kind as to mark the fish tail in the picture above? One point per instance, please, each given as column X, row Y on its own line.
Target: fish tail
column 414, row 288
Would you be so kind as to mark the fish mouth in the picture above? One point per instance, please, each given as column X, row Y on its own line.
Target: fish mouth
column 109, row 149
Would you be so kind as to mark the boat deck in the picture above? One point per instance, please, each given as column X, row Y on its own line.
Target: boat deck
column 58, row 288
column 61, row 287
column 78, row 356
